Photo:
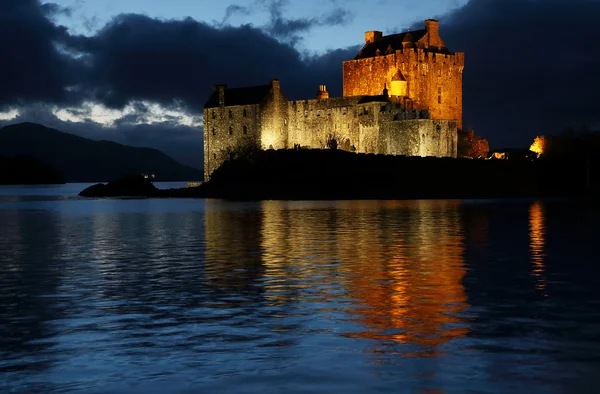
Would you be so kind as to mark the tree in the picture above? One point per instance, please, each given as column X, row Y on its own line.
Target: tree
column 472, row 145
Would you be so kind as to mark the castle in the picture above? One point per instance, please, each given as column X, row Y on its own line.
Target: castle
column 402, row 96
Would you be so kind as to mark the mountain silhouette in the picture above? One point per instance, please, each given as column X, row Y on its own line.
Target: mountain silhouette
column 80, row 159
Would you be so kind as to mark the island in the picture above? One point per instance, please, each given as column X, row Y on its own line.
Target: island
column 315, row 174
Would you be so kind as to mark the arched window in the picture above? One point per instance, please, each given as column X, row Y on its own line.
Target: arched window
column 230, row 130
column 245, row 112
column 230, row 114
column 214, row 132
column 245, row 130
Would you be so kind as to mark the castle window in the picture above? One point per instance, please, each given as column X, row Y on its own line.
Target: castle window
column 306, row 113
column 318, row 112
column 215, row 156
column 329, row 111
column 214, row 114
column 230, row 114
column 214, row 132
column 245, row 112
column 230, row 130
column 439, row 73
column 245, row 129
column 439, row 95
column 344, row 110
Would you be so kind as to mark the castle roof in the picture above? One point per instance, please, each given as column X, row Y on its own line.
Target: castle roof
column 399, row 77
column 240, row 96
column 394, row 41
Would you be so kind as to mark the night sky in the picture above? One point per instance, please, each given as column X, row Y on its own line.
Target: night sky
column 139, row 71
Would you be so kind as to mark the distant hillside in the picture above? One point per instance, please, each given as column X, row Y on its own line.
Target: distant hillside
column 25, row 170
column 84, row 160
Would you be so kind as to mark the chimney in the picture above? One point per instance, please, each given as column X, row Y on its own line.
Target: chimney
column 322, row 93
column 433, row 27
column 372, row 36
column 221, row 90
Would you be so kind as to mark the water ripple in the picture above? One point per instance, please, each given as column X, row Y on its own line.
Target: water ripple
column 174, row 296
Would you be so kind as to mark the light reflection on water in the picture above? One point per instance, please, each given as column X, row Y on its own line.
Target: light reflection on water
column 179, row 295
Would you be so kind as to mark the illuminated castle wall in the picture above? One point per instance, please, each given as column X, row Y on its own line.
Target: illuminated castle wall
column 416, row 67
column 406, row 101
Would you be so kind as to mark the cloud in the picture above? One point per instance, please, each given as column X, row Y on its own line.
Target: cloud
column 177, row 62
column 531, row 66
column 234, row 9
column 289, row 29
column 33, row 67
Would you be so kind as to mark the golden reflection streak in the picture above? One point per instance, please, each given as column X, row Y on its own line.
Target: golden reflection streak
column 537, row 243
column 402, row 263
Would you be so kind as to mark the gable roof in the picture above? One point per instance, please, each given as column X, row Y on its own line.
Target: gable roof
column 239, row 96
column 393, row 41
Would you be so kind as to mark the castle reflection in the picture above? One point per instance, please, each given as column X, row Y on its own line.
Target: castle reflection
column 394, row 269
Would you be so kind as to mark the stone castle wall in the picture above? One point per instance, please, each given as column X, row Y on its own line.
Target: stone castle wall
column 274, row 119
column 227, row 128
column 433, row 80
column 373, row 127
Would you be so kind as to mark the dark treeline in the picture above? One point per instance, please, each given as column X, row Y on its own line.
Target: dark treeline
column 571, row 144
column 26, row 170
column 316, row 174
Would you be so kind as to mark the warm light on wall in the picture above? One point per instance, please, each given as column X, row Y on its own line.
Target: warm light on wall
column 398, row 88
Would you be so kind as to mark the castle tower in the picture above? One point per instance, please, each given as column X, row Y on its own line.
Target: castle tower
column 416, row 66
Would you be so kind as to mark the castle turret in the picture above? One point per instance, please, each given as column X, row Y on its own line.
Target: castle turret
column 322, row 93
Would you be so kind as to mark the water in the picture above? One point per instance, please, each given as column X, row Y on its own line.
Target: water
column 187, row 296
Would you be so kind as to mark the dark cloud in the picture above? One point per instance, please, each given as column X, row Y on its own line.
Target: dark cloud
column 531, row 66
column 177, row 62
column 32, row 68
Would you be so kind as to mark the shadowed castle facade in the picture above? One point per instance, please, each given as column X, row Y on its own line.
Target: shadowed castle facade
column 402, row 96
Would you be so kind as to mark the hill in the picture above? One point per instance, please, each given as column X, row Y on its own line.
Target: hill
column 80, row 159
column 24, row 170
